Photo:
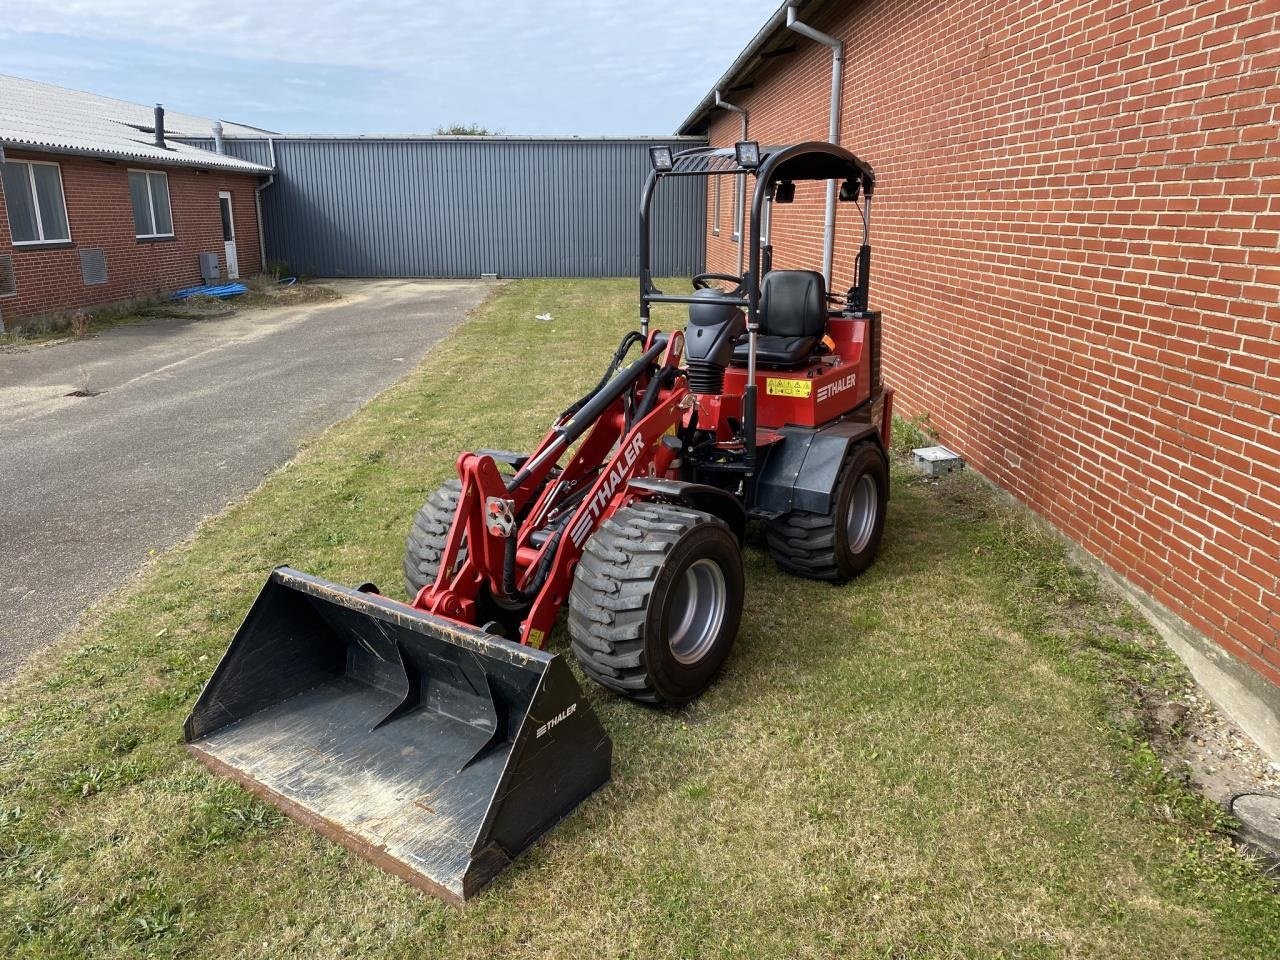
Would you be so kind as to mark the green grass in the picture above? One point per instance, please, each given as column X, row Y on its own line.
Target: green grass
column 928, row 762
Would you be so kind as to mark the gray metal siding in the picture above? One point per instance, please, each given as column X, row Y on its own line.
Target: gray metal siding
column 462, row 207
column 255, row 151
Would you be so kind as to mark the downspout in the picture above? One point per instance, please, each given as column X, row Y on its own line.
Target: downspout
column 257, row 203
column 742, row 185
column 833, row 131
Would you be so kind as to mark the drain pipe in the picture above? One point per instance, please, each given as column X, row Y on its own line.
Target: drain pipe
column 833, row 131
column 740, row 213
column 257, row 203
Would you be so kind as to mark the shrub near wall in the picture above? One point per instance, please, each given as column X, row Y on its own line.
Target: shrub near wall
column 1076, row 241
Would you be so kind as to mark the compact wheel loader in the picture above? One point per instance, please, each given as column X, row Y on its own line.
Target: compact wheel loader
column 438, row 738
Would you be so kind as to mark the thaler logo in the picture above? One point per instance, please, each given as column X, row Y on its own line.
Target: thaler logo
column 562, row 715
column 586, row 523
column 840, row 386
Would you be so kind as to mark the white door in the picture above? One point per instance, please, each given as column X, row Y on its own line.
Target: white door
column 229, row 235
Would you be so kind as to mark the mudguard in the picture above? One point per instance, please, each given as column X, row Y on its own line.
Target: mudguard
column 698, row 496
column 802, row 470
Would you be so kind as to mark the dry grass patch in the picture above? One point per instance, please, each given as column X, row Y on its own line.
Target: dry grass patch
column 264, row 291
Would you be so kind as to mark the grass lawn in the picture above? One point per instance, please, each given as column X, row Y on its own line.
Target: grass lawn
column 931, row 761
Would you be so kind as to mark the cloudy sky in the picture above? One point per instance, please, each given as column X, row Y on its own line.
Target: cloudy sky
column 391, row 66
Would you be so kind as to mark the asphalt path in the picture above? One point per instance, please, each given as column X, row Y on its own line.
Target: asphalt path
column 184, row 418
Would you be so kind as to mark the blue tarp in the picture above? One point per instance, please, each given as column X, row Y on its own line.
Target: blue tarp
column 221, row 291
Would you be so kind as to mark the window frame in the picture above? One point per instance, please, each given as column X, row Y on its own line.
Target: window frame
column 151, row 204
column 739, row 198
column 42, row 240
column 715, row 208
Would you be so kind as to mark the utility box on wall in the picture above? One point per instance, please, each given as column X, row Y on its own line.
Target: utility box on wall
column 209, row 270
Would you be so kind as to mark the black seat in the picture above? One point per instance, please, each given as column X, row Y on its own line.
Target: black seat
column 793, row 317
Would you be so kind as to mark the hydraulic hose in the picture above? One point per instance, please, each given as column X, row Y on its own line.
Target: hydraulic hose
column 629, row 338
column 586, row 415
column 540, row 573
column 614, row 389
column 663, row 378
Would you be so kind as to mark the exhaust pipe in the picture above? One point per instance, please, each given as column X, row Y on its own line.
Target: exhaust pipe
column 159, row 125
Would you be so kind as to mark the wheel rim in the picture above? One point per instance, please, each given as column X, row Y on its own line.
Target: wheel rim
column 697, row 611
column 863, row 507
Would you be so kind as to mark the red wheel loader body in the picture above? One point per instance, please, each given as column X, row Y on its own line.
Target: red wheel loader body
column 436, row 737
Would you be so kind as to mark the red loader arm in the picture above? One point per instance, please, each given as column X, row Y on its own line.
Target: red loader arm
column 518, row 539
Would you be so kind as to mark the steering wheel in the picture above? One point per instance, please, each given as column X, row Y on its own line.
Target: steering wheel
column 703, row 282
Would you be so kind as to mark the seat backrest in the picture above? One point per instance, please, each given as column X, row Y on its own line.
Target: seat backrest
column 793, row 303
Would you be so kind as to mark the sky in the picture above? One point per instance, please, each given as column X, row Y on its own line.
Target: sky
column 391, row 66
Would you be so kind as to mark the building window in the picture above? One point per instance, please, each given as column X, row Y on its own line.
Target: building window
column 715, row 209
column 33, row 197
column 149, row 192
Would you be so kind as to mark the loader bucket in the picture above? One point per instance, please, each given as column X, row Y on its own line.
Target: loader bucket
column 437, row 751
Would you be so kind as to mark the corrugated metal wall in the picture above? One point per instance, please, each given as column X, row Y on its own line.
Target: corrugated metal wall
column 441, row 207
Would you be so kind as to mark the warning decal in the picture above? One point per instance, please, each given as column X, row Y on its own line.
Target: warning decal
column 778, row 387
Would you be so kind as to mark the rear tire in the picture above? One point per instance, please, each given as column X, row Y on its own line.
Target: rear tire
column 840, row 544
column 656, row 602
column 425, row 546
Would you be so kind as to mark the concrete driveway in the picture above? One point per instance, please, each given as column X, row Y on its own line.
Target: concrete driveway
column 188, row 416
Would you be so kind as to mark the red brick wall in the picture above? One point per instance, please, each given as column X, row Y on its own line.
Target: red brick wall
column 101, row 215
column 1076, row 251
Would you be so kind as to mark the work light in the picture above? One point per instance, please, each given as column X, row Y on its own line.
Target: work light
column 660, row 159
column 748, row 154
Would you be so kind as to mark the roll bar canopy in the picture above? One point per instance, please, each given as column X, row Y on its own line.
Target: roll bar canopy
column 815, row 160
column 812, row 160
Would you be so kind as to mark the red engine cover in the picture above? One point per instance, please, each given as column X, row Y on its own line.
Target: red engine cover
column 812, row 395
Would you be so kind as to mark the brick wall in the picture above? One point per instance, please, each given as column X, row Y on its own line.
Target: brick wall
column 1076, row 251
column 101, row 215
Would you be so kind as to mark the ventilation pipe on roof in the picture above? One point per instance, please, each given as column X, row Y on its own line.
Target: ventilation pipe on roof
column 833, row 130
column 159, row 124
column 740, row 218
column 218, row 145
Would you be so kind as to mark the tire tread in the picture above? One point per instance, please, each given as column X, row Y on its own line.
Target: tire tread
column 804, row 543
column 428, row 534
column 609, row 602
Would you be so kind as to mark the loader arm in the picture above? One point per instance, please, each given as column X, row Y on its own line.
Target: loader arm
column 519, row 538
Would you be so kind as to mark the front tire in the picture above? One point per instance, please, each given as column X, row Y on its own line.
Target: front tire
column 425, row 545
column 840, row 544
column 656, row 602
